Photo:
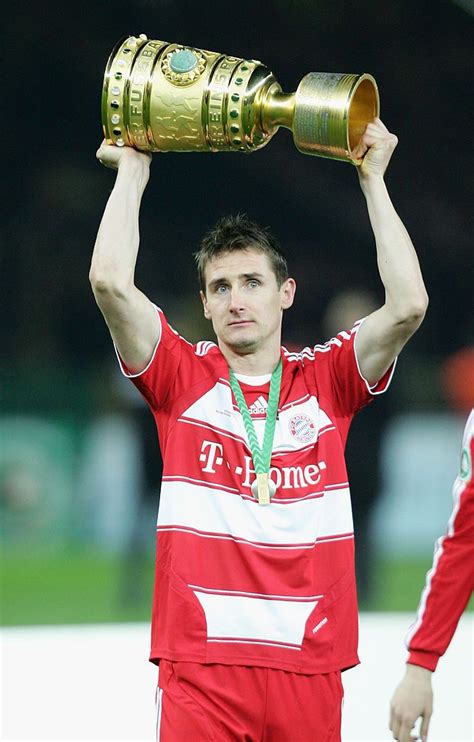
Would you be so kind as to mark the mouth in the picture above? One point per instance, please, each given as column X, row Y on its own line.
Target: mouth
column 241, row 323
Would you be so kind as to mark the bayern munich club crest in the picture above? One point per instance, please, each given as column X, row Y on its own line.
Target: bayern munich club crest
column 302, row 428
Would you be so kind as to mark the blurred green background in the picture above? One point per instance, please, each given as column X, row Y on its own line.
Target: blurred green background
column 78, row 587
column 79, row 464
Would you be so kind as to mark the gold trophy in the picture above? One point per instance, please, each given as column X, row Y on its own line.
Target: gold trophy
column 167, row 97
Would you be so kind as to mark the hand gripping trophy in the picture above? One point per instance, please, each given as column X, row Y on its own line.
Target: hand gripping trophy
column 166, row 97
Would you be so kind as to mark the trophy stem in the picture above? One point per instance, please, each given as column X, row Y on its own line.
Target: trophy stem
column 278, row 109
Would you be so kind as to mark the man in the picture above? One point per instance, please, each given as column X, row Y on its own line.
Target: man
column 449, row 585
column 255, row 611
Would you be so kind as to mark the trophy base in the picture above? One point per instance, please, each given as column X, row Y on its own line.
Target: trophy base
column 331, row 113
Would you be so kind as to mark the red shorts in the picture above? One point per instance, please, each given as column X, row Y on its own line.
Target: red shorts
column 229, row 703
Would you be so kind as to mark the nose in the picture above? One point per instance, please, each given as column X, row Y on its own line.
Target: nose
column 236, row 303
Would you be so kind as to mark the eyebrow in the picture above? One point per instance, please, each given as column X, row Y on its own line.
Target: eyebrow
column 247, row 276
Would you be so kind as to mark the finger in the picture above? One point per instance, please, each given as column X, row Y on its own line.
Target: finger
column 391, row 720
column 369, row 140
column 370, row 136
column 395, row 726
column 374, row 131
column 404, row 734
column 425, row 726
column 102, row 145
column 378, row 142
column 380, row 124
column 374, row 126
column 360, row 149
column 380, row 133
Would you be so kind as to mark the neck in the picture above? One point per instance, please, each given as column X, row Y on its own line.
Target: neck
column 251, row 363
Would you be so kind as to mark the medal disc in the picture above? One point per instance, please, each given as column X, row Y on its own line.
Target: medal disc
column 271, row 488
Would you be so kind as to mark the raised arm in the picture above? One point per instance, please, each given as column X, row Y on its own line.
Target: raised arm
column 385, row 331
column 130, row 316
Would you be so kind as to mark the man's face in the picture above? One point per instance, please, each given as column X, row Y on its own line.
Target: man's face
column 243, row 300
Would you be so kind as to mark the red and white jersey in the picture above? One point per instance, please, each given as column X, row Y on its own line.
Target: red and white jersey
column 450, row 582
column 238, row 582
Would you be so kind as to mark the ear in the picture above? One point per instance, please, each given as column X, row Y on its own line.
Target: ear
column 207, row 313
column 287, row 293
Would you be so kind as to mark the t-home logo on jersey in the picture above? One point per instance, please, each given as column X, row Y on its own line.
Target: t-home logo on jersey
column 212, row 457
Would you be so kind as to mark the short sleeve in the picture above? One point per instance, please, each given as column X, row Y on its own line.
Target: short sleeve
column 156, row 380
column 336, row 366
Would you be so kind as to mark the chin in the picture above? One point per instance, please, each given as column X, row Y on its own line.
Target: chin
column 247, row 344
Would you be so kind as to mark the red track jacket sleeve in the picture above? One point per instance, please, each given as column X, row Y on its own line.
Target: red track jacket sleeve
column 450, row 581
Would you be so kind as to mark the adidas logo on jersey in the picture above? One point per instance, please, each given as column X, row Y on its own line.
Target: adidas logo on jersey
column 259, row 407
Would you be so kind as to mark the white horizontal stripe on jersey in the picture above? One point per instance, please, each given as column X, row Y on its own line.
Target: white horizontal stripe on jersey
column 254, row 641
column 234, row 616
column 277, row 498
column 254, row 544
column 260, row 596
column 188, row 505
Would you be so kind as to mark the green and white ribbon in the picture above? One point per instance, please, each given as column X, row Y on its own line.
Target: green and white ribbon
column 261, row 456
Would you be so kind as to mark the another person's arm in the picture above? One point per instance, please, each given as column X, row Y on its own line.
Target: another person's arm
column 384, row 332
column 130, row 316
column 449, row 585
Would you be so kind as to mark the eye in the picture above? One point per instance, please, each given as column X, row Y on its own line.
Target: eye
column 253, row 283
column 221, row 288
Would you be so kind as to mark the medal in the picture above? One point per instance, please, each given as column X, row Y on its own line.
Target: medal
column 262, row 488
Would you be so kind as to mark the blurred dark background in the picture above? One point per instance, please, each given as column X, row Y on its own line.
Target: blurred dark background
column 57, row 356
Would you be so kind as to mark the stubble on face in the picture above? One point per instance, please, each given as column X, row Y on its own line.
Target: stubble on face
column 245, row 345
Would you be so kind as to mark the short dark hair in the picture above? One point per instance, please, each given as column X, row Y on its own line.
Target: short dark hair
column 240, row 233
